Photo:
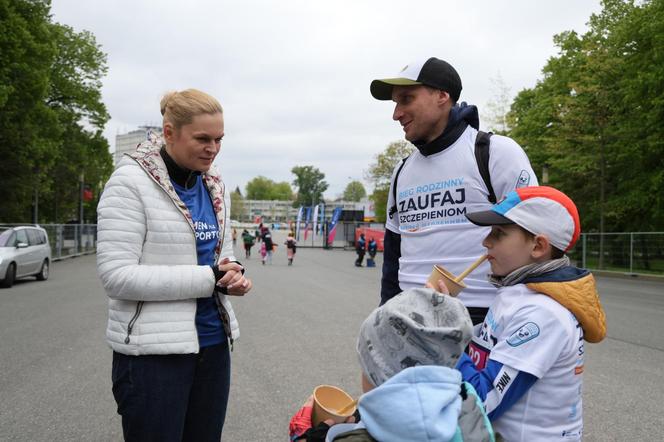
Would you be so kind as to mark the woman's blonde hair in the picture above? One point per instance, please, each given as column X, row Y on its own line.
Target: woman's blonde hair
column 180, row 108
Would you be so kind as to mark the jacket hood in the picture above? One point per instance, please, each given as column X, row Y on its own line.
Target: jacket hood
column 461, row 116
column 419, row 403
column 148, row 156
column 574, row 289
column 464, row 112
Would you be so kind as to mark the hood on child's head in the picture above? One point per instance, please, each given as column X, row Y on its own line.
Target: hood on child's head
column 417, row 327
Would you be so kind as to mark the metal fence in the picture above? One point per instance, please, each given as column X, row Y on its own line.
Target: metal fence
column 69, row 240
column 638, row 253
column 633, row 252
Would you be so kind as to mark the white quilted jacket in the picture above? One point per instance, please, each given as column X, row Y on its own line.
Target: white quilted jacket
column 146, row 257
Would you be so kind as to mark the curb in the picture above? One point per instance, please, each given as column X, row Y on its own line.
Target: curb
column 623, row 275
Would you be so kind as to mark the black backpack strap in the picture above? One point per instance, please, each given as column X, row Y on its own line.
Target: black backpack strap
column 394, row 209
column 482, row 144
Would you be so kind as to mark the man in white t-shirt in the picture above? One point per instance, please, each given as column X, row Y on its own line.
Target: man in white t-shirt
column 526, row 360
column 440, row 182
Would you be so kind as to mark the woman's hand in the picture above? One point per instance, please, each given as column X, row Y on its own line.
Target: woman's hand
column 234, row 281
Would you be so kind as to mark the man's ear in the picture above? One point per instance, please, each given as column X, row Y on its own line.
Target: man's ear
column 443, row 97
column 541, row 248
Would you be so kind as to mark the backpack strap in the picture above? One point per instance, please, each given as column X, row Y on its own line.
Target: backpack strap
column 482, row 145
column 394, row 209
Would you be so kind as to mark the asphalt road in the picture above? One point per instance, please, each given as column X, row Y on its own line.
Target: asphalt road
column 298, row 329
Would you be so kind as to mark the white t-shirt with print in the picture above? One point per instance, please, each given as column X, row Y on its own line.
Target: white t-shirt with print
column 433, row 195
column 530, row 332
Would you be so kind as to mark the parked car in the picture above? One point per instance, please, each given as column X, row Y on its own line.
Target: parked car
column 24, row 251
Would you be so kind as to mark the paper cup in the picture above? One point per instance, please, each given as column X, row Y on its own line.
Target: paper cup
column 439, row 273
column 328, row 400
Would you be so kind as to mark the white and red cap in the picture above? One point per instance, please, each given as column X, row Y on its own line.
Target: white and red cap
column 541, row 210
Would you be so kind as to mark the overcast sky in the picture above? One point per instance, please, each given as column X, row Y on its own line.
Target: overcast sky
column 293, row 75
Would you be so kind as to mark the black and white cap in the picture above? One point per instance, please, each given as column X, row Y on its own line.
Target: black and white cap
column 431, row 72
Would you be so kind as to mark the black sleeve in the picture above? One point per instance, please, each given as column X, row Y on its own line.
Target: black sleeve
column 218, row 274
column 391, row 254
column 315, row 434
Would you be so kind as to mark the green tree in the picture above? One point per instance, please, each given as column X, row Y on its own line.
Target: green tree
column 28, row 128
column 310, row 183
column 51, row 114
column 595, row 118
column 354, row 191
column 380, row 174
column 262, row 188
column 237, row 205
column 259, row 188
column 282, row 191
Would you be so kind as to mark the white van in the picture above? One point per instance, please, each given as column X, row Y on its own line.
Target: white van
column 24, row 251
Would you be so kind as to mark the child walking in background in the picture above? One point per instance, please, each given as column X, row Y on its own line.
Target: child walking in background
column 248, row 240
column 291, row 245
column 267, row 244
column 263, row 252
column 526, row 360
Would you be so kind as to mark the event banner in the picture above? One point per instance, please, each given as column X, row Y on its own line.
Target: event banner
column 297, row 223
column 315, row 218
column 307, row 217
column 333, row 225
column 321, row 222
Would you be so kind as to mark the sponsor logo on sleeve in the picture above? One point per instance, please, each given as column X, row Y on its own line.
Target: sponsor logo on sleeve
column 527, row 332
column 523, row 180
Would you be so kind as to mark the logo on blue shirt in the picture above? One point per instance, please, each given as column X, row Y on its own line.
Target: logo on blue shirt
column 525, row 333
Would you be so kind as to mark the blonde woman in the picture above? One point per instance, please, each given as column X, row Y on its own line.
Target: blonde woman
column 165, row 259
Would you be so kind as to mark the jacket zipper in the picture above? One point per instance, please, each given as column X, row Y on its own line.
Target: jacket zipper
column 223, row 314
column 130, row 326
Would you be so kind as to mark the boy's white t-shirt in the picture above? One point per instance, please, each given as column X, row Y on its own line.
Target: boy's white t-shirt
column 530, row 332
column 434, row 193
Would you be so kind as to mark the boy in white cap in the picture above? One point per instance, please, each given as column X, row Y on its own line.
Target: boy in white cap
column 526, row 360
column 407, row 350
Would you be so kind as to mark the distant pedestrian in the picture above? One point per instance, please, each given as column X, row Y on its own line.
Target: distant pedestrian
column 263, row 252
column 291, row 246
column 360, row 249
column 248, row 240
column 266, row 236
column 234, row 235
column 372, row 248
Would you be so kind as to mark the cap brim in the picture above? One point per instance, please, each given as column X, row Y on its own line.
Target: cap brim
column 382, row 89
column 488, row 218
